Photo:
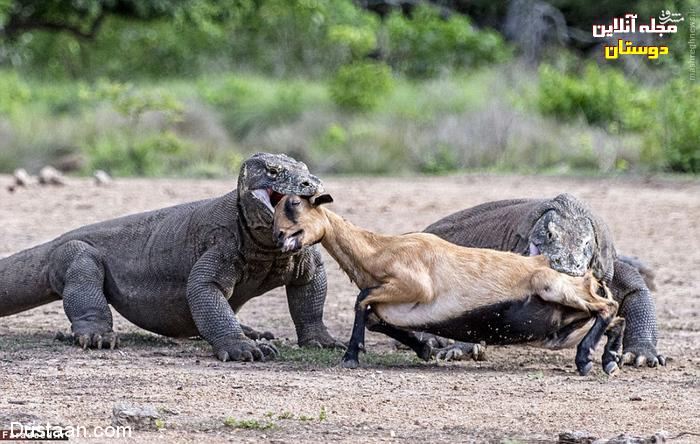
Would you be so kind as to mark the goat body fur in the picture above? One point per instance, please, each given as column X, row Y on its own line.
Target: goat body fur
column 421, row 282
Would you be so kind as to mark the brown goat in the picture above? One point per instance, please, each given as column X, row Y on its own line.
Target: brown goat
column 418, row 281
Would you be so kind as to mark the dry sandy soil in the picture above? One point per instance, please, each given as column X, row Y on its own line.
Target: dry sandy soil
column 520, row 394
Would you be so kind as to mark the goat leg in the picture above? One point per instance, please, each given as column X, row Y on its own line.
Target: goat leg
column 423, row 348
column 588, row 343
column 611, row 353
column 357, row 338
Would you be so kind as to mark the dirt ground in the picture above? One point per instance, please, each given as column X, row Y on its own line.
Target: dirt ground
column 520, row 394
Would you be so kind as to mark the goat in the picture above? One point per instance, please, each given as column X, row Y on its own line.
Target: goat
column 417, row 281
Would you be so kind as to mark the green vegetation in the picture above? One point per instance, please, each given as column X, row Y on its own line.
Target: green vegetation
column 248, row 424
column 331, row 358
column 189, row 88
column 285, row 415
column 667, row 118
column 361, row 86
column 425, row 43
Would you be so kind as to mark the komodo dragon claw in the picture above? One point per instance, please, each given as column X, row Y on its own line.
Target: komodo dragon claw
column 321, row 339
column 246, row 350
column 254, row 334
column 639, row 358
column 96, row 340
column 460, row 351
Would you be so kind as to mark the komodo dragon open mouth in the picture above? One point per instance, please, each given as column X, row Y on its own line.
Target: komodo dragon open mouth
column 269, row 197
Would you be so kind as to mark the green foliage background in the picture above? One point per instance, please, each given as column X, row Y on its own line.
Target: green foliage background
column 189, row 87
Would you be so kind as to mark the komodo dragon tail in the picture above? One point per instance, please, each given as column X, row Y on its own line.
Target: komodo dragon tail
column 24, row 281
column 647, row 273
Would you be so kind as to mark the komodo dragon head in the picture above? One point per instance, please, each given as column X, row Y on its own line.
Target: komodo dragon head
column 263, row 180
column 570, row 236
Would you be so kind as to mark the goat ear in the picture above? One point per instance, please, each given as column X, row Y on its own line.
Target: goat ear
column 321, row 199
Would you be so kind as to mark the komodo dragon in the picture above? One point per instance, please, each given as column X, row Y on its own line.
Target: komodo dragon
column 180, row 271
column 573, row 239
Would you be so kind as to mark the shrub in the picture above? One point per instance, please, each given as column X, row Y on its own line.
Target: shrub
column 133, row 103
column 426, row 43
column 249, row 104
column 123, row 49
column 302, row 36
column 442, row 160
column 14, row 93
column 668, row 120
column 334, row 139
column 359, row 41
column 677, row 133
column 62, row 98
column 604, row 97
column 150, row 155
column 360, row 86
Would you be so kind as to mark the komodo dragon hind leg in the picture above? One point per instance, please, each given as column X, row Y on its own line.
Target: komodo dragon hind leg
column 77, row 273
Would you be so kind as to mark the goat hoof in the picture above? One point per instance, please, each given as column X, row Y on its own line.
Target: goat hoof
column 584, row 368
column 349, row 363
column 611, row 368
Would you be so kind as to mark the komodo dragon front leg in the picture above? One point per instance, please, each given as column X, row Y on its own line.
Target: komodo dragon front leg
column 210, row 285
column 637, row 307
column 306, row 298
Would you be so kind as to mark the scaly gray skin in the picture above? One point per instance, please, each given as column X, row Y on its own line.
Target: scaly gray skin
column 573, row 239
column 180, row 271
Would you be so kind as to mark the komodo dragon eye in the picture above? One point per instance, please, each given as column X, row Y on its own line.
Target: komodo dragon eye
column 273, row 171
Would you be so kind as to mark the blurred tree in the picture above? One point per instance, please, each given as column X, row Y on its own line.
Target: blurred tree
column 83, row 19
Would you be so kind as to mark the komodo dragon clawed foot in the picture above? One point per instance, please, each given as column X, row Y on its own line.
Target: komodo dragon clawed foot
column 433, row 341
column 461, row 351
column 254, row 334
column 245, row 350
column 98, row 340
column 642, row 355
column 85, row 339
column 319, row 338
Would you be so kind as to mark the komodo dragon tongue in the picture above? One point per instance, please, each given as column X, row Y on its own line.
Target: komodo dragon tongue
column 534, row 251
column 264, row 197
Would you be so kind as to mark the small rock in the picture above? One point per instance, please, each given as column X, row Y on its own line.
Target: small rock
column 581, row 437
column 138, row 417
column 576, row 437
column 51, row 176
column 102, row 178
column 629, row 439
column 22, row 178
